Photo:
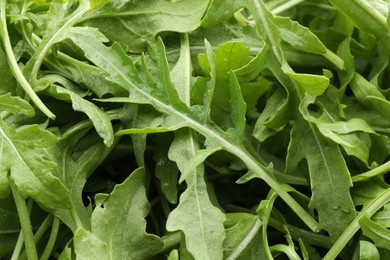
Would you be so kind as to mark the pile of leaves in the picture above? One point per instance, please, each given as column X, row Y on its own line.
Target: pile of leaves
column 194, row 129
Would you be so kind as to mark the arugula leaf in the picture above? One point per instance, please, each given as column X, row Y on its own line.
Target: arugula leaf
column 244, row 124
column 73, row 172
column 23, row 164
column 127, row 77
column 242, row 230
column 368, row 251
column 125, row 237
column 379, row 234
column 15, row 105
column 99, row 118
column 120, row 21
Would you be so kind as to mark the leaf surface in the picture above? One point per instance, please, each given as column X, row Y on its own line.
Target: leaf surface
column 22, row 162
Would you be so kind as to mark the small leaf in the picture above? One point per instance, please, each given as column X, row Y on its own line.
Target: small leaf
column 315, row 85
column 237, row 108
column 241, row 231
column 378, row 234
column 383, row 217
column 99, row 118
column 15, row 105
column 219, row 11
column 368, row 251
column 298, row 36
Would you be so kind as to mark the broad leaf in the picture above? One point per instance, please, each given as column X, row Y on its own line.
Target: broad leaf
column 125, row 237
column 22, row 162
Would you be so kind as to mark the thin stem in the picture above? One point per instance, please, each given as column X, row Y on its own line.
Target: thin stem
column 266, row 213
column 25, row 223
column 14, row 65
column 170, row 241
column 52, row 239
column 336, row 60
column 40, row 232
column 76, row 219
column 18, row 247
column 315, row 239
column 285, row 249
column 372, row 173
column 284, row 7
column 368, row 211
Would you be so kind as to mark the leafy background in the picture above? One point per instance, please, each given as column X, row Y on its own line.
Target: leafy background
column 194, row 129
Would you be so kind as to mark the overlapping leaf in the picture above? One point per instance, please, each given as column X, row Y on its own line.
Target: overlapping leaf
column 22, row 163
column 123, row 238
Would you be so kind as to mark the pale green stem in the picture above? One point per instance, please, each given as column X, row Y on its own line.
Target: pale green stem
column 25, row 223
column 14, row 65
column 368, row 211
column 336, row 60
column 272, row 196
column 284, row 7
column 52, row 239
column 287, row 250
column 18, row 247
column 382, row 169
column 170, row 241
column 39, row 234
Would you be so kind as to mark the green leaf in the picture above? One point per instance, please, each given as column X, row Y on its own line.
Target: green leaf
column 374, row 22
column 383, row 217
column 219, row 11
column 242, row 231
column 58, row 24
column 99, row 118
column 274, row 116
column 368, row 251
column 88, row 246
column 370, row 95
column 298, row 36
column 125, row 209
column 329, row 176
column 22, row 162
column 378, row 234
column 200, row 221
column 315, row 85
column 227, row 57
column 7, row 81
column 15, row 105
column 120, row 22
column 166, row 170
column 74, row 167
column 349, row 134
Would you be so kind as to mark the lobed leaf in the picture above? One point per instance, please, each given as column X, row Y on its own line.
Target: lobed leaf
column 22, row 162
